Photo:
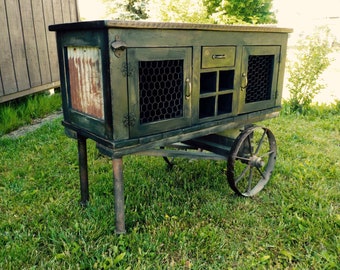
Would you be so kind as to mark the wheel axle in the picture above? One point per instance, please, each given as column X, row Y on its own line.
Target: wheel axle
column 256, row 162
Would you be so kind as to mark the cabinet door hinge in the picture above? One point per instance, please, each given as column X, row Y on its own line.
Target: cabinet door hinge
column 127, row 69
column 129, row 120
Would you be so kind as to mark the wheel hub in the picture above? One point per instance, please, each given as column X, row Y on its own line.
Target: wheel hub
column 256, row 161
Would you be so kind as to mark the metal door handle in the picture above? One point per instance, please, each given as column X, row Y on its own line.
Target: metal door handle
column 187, row 88
column 244, row 82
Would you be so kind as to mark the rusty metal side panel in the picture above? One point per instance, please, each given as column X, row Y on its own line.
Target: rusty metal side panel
column 85, row 80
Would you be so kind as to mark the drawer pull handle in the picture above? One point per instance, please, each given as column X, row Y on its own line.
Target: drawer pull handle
column 218, row 56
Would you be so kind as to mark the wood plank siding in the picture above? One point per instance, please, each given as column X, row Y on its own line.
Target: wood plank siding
column 28, row 52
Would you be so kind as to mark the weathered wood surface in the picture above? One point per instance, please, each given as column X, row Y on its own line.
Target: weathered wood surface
column 28, row 54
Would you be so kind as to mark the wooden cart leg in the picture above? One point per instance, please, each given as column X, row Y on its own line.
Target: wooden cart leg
column 117, row 164
column 83, row 171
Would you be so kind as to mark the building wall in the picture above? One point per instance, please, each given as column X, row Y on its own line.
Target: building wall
column 28, row 55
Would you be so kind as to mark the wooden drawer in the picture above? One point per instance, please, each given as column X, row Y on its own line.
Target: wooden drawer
column 215, row 57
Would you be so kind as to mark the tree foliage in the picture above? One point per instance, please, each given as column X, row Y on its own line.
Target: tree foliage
column 193, row 11
column 196, row 11
column 126, row 9
column 236, row 11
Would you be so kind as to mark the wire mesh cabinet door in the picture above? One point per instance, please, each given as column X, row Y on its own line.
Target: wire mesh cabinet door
column 159, row 88
column 259, row 77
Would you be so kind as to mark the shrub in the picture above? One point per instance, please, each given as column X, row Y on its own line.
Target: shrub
column 311, row 60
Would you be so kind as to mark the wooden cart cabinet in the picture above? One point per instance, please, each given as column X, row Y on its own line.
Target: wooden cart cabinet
column 149, row 78
column 135, row 86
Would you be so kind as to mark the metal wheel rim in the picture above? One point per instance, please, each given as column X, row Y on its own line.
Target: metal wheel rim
column 256, row 168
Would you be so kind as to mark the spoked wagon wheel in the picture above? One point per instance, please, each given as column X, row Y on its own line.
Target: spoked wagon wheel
column 182, row 147
column 251, row 160
column 168, row 160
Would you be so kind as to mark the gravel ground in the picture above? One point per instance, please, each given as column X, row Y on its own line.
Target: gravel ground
column 35, row 125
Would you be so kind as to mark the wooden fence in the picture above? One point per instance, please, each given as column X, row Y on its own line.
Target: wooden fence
column 28, row 54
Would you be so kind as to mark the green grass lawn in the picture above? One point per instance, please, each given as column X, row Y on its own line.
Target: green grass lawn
column 25, row 110
column 184, row 218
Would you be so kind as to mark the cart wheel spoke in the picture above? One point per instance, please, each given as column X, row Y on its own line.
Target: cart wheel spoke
column 260, row 143
column 261, row 173
column 242, row 174
column 267, row 154
column 251, row 160
column 242, row 159
column 168, row 160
